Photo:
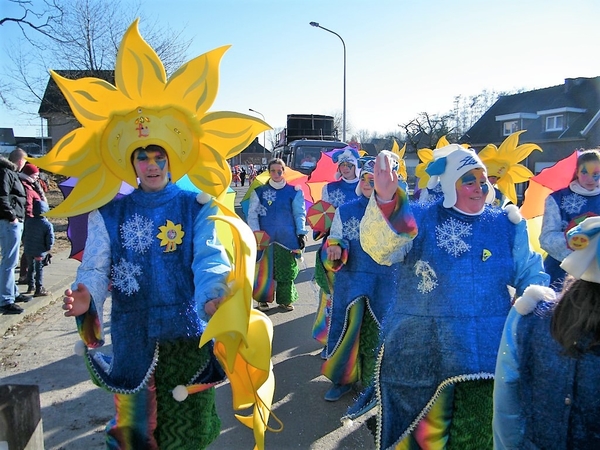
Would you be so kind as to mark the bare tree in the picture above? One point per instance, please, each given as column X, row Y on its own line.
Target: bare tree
column 82, row 35
column 43, row 19
column 425, row 130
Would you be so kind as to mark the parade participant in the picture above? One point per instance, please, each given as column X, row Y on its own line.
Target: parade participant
column 440, row 339
column 343, row 190
column 278, row 209
column 565, row 208
column 156, row 250
column 358, row 307
column 546, row 384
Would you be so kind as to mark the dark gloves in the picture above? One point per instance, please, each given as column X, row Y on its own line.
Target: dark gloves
column 301, row 241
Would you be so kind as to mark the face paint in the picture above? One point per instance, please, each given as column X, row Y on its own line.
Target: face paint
column 588, row 175
column 367, row 178
column 278, row 172
column 145, row 159
column 471, row 191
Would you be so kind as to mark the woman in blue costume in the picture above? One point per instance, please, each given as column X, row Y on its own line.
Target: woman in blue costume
column 363, row 290
column 548, row 369
column 339, row 192
column 144, row 248
column 441, row 337
column 278, row 209
column 565, row 208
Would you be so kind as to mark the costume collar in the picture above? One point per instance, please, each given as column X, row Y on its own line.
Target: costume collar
column 277, row 184
column 579, row 189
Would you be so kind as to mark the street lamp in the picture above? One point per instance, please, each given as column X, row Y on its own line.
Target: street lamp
column 264, row 133
column 316, row 24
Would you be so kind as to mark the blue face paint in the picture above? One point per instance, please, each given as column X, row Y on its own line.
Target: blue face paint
column 145, row 158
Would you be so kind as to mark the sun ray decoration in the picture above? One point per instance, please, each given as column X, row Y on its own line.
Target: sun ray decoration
column 503, row 162
column 401, row 162
column 145, row 108
column 426, row 156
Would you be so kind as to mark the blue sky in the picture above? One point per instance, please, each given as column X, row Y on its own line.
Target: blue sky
column 403, row 57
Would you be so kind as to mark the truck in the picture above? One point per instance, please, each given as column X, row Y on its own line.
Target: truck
column 304, row 140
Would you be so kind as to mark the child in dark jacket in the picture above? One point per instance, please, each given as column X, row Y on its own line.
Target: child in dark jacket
column 38, row 238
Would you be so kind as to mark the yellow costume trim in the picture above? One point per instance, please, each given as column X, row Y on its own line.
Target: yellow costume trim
column 503, row 162
column 145, row 108
column 243, row 335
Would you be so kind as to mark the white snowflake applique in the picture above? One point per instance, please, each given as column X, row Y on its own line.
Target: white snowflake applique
column 427, row 277
column 337, row 197
column 572, row 203
column 351, row 228
column 450, row 236
column 269, row 195
column 261, row 210
column 124, row 275
column 137, row 233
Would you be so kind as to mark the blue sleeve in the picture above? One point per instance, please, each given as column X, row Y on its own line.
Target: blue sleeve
column 508, row 422
column 210, row 265
column 299, row 211
column 528, row 265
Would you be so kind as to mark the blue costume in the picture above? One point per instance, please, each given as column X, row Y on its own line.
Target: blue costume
column 446, row 326
column 279, row 210
column 159, row 253
column 542, row 398
column 561, row 208
column 340, row 192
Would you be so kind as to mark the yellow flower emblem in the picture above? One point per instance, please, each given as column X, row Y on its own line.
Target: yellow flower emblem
column 170, row 235
column 503, row 162
column 145, row 108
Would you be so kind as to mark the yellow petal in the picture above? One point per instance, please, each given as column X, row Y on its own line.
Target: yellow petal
column 523, row 151
column 196, row 83
column 510, row 143
column 507, row 187
column 442, row 142
column 230, row 132
column 139, row 72
column 72, row 156
column 520, row 173
column 90, row 192
column 92, row 100
column 487, row 153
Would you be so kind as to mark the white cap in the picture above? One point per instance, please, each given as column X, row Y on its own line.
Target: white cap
column 448, row 165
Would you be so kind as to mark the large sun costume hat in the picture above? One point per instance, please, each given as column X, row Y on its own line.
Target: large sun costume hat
column 143, row 108
column 400, row 152
column 448, row 165
column 503, row 163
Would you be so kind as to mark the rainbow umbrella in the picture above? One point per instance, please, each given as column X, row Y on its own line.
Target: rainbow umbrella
column 549, row 180
column 262, row 240
column 320, row 216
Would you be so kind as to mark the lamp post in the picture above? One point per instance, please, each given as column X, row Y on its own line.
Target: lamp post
column 316, row 24
column 264, row 133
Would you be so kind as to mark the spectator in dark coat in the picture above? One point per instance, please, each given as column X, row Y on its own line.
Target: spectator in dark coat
column 38, row 238
column 12, row 214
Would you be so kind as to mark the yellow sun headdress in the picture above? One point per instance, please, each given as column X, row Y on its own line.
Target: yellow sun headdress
column 145, row 108
column 503, row 162
column 426, row 156
column 401, row 162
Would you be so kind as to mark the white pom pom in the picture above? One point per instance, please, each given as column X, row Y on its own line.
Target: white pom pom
column 203, row 198
column 514, row 215
column 347, row 423
column 80, row 348
column 180, row 393
column 298, row 187
column 531, row 296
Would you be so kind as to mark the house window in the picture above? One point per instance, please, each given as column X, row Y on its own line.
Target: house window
column 510, row 127
column 554, row 123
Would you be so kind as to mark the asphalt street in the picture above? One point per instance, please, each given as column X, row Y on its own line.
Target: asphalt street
column 37, row 348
